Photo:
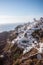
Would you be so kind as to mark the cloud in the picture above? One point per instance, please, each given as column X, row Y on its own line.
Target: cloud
column 15, row 19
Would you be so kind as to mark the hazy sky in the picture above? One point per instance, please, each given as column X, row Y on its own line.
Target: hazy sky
column 15, row 11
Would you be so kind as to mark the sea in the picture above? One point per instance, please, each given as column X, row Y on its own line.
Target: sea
column 8, row 27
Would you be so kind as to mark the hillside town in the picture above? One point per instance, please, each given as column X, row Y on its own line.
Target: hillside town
column 24, row 45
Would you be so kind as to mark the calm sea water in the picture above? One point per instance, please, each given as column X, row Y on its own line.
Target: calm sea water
column 8, row 27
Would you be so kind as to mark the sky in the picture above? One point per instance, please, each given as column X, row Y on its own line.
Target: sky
column 17, row 11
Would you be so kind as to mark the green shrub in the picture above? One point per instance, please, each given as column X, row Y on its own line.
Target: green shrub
column 15, row 56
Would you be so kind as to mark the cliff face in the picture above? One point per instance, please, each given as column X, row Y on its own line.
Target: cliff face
column 23, row 46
